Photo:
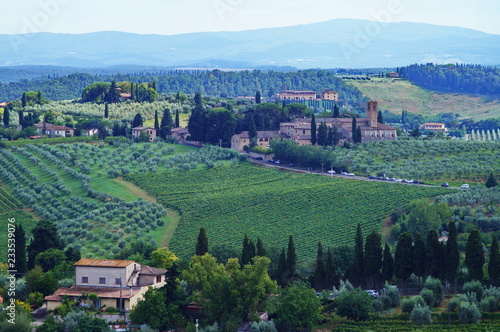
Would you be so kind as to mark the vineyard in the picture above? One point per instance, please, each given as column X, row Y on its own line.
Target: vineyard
column 233, row 201
column 8, row 203
column 406, row 326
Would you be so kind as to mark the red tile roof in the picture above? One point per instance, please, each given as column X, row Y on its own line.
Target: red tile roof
column 103, row 262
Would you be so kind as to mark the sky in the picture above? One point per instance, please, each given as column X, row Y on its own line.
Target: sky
column 168, row 17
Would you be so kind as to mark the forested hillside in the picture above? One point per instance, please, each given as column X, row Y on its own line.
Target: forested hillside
column 463, row 78
column 214, row 83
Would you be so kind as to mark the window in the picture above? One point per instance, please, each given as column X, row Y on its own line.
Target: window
column 102, row 280
column 85, row 280
column 118, row 281
column 158, row 278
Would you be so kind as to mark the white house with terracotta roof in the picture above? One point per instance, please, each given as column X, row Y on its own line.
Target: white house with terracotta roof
column 114, row 282
column 51, row 130
column 151, row 132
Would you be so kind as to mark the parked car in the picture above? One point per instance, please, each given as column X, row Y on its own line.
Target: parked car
column 331, row 171
column 464, row 186
column 350, row 174
column 291, row 165
column 277, row 162
column 343, row 173
column 372, row 177
column 259, row 158
column 373, row 293
column 271, row 160
column 445, row 184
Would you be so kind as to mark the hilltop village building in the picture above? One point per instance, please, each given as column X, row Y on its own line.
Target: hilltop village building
column 299, row 130
column 294, row 95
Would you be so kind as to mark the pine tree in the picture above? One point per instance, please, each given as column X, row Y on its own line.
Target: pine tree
column 474, row 256
column 494, row 263
column 291, row 260
column 137, row 122
column 387, row 264
column 257, row 97
column 202, row 243
column 336, row 113
column 20, row 254
column 177, row 121
column 452, row 254
column 331, row 276
column 313, row 130
column 319, row 273
column 373, row 258
column 380, row 118
column 281, row 271
column 261, row 251
column 6, row 117
column 403, row 257
column 106, row 110
column 113, row 95
column 491, row 182
column 358, row 264
column 157, row 122
column 433, row 260
column 419, row 256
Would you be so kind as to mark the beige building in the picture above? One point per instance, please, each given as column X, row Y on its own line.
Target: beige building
column 115, row 282
column 330, row 95
column 179, row 133
column 434, row 126
column 296, row 95
column 51, row 130
column 151, row 132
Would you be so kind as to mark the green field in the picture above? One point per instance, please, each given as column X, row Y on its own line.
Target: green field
column 396, row 95
column 233, row 201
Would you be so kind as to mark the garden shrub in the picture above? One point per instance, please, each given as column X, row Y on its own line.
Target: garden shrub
column 263, row 326
column 421, row 315
column 454, row 304
column 469, row 313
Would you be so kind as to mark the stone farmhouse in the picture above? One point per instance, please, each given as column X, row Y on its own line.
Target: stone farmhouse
column 54, row 131
column 434, row 126
column 299, row 130
column 117, row 283
column 151, row 132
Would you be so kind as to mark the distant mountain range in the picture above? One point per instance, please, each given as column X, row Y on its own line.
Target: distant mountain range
column 340, row 43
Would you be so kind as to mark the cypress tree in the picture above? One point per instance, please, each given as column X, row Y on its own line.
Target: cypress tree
column 202, row 243
column 106, row 110
column 157, row 122
column 354, row 130
column 261, row 251
column 419, row 256
column 283, row 104
column 380, row 118
column 248, row 251
column 452, row 254
column 494, row 263
column 137, row 122
column 403, row 257
column 319, row 274
column 257, row 97
column 387, row 264
column 313, row 130
column 373, row 257
column 24, row 100
column 474, row 256
column 433, row 258
column 281, row 271
column 166, row 124
column 336, row 113
column 132, row 91
column 359, row 136
column 490, row 182
column 329, row 138
column 291, row 260
column 177, row 121
column 20, row 253
column 252, row 129
column 331, row 276
column 6, row 117
column 322, row 134
column 21, row 118
column 358, row 264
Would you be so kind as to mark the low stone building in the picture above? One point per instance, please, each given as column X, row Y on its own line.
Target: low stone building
column 151, row 132
column 434, row 126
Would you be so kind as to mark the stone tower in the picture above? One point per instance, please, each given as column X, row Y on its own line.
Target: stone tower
column 371, row 113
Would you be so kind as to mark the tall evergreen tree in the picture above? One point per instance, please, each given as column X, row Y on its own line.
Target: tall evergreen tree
column 329, row 137
column 491, row 181
column 358, row 264
column 202, row 243
column 419, row 257
column 474, row 255
column 45, row 237
column 157, row 122
column 319, row 275
column 137, row 122
column 281, row 271
column 248, row 251
column 291, row 260
column 106, row 110
column 21, row 264
column 354, row 127
column 258, row 97
column 380, row 118
column 452, row 254
column 113, row 95
column 6, row 117
column 359, row 137
column 336, row 113
column 331, row 275
column 132, row 91
column 166, row 124
column 322, row 134
column 177, row 121
column 433, row 257
column 403, row 257
column 494, row 263
column 252, row 129
column 373, row 258
column 261, row 251
column 387, row 264
column 313, row 130
column 21, row 118
column 197, row 120
column 24, row 100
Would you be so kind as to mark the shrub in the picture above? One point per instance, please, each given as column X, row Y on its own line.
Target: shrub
column 437, row 288
column 469, row 313
column 492, row 291
column 262, row 326
column 354, row 304
column 428, row 296
column 474, row 287
column 211, row 328
column 386, row 301
column 408, row 304
column 393, row 293
column 454, row 304
column 35, row 299
column 488, row 304
column 377, row 306
column 421, row 315
column 469, row 297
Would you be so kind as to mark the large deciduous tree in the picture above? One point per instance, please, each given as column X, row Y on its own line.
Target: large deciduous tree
column 155, row 311
column 163, row 258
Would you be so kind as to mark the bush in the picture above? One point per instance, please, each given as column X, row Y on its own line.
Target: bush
column 492, row 291
column 474, row 287
column 263, row 326
column 469, row 313
column 35, row 299
column 421, row 315
column 393, row 293
column 428, row 296
column 488, row 304
column 354, row 304
column 454, row 304
column 211, row 328
column 377, row 306
column 386, row 301
column 437, row 288
column 408, row 304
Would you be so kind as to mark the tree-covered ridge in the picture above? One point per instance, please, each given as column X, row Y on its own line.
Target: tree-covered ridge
column 463, row 78
column 213, row 83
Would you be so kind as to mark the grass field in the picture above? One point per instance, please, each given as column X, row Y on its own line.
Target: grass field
column 396, row 95
column 233, row 201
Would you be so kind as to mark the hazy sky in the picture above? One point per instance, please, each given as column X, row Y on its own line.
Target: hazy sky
column 184, row 16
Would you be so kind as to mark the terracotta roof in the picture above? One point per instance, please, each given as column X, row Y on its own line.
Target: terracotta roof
column 142, row 128
column 61, row 128
column 260, row 134
column 47, row 125
column 103, row 262
column 151, row 271
column 102, row 292
column 179, row 130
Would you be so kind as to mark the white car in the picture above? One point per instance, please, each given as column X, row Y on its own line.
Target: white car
column 343, row 173
column 351, row 174
column 464, row 186
column 331, row 171
column 372, row 293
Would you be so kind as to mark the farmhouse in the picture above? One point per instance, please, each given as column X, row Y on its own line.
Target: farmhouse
column 435, row 127
column 179, row 133
column 117, row 283
column 137, row 131
column 51, row 130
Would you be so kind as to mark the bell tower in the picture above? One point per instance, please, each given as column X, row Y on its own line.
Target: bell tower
column 371, row 113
